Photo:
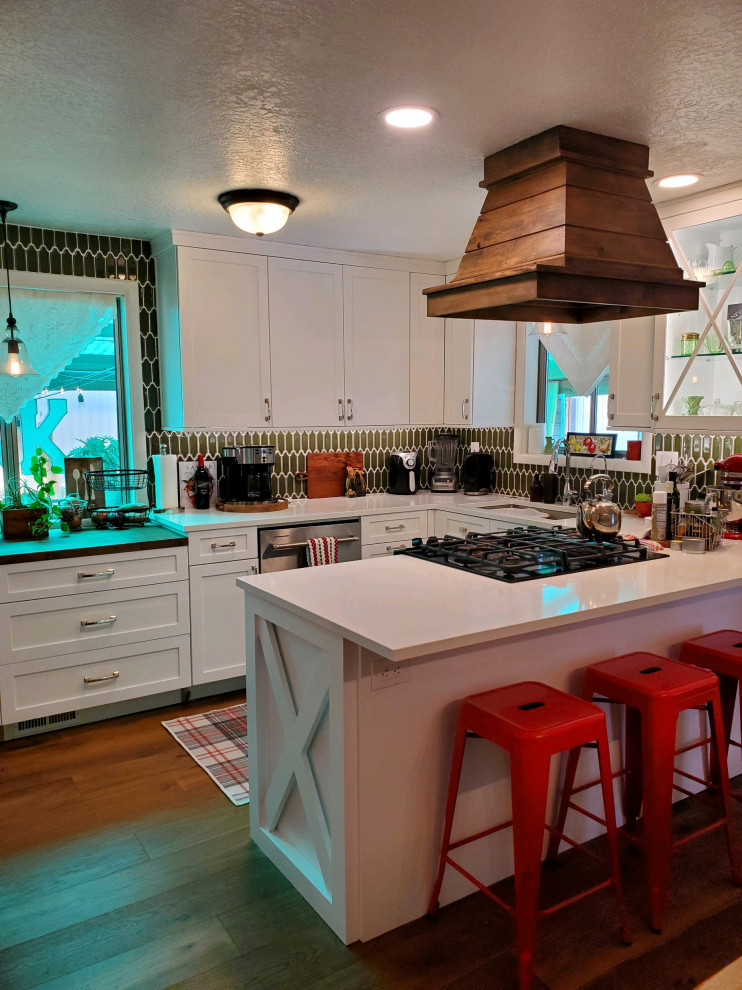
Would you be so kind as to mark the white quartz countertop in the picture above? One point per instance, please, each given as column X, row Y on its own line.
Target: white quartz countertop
column 317, row 509
column 401, row 607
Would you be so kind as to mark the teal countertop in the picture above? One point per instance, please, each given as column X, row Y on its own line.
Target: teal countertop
column 89, row 542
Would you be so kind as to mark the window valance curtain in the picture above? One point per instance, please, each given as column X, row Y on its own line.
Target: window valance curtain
column 55, row 327
column 582, row 352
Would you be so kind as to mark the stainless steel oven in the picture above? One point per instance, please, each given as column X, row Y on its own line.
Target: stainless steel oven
column 285, row 548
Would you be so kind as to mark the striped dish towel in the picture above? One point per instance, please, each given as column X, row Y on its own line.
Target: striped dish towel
column 322, row 550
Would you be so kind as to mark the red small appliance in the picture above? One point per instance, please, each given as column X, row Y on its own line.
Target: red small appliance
column 730, row 480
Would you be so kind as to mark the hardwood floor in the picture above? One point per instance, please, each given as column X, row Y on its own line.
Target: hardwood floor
column 123, row 866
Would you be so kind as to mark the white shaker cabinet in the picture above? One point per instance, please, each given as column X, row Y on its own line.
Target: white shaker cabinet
column 480, row 373
column 426, row 355
column 631, row 356
column 306, row 339
column 377, row 346
column 218, row 620
column 213, row 339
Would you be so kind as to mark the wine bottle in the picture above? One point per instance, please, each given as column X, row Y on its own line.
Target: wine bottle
column 201, row 485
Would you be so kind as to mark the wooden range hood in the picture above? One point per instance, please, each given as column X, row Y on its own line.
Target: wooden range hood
column 568, row 234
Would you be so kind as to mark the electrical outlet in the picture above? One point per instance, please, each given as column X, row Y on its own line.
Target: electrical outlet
column 386, row 673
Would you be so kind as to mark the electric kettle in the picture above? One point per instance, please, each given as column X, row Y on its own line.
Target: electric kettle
column 598, row 518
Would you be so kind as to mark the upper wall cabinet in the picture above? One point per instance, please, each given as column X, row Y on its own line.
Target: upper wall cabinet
column 213, row 339
column 306, row 324
column 377, row 346
column 683, row 372
column 480, row 373
column 426, row 355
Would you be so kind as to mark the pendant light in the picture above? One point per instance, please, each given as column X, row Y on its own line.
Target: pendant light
column 258, row 211
column 13, row 354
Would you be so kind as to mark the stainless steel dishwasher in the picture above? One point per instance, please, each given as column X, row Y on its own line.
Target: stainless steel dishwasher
column 285, row 548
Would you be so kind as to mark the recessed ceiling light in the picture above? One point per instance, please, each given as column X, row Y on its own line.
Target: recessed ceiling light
column 678, row 181
column 408, row 116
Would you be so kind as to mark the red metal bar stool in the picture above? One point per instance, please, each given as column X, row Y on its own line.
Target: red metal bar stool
column 655, row 690
column 721, row 652
column 532, row 722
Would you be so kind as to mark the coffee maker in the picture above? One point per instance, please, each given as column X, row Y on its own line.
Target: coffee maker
column 404, row 472
column 442, row 453
column 476, row 472
column 244, row 474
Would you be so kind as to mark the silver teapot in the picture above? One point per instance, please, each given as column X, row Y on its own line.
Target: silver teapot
column 598, row 518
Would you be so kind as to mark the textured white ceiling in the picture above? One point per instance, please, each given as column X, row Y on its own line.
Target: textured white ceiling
column 130, row 117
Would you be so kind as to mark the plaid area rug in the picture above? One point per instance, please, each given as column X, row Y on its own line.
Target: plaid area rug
column 217, row 741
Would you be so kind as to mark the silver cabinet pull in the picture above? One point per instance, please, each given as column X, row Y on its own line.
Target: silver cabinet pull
column 341, row 410
column 98, row 622
column 654, row 398
column 253, row 568
column 350, row 409
column 267, row 410
column 395, row 546
column 224, row 546
column 87, row 575
column 107, row 677
column 392, row 529
column 464, row 413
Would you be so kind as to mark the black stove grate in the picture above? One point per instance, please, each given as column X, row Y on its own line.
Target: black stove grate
column 528, row 552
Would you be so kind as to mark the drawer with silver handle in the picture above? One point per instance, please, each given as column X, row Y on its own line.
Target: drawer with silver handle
column 222, row 544
column 392, row 527
column 53, row 685
column 81, row 575
column 54, row 626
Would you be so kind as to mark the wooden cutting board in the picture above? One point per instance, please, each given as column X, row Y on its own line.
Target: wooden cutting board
column 326, row 473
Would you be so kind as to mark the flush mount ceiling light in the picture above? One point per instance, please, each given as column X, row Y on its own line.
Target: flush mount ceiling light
column 408, row 117
column 678, row 181
column 13, row 354
column 258, row 211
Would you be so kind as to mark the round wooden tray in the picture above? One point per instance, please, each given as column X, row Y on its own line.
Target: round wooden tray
column 275, row 506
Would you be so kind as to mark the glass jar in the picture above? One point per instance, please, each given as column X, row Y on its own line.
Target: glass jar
column 688, row 343
column 713, row 344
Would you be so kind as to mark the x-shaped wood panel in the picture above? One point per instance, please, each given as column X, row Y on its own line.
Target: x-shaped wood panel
column 299, row 726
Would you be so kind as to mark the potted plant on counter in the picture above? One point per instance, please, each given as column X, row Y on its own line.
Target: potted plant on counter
column 643, row 505
column 28, row 510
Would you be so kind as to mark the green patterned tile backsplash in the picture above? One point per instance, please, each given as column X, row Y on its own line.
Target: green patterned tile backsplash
column 292, row 446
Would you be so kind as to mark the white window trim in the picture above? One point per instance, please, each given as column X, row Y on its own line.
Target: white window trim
column 525, row 397
column 128, row 292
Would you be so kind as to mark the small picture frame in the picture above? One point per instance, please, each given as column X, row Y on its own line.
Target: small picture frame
column 590, row 444
column 186, row 470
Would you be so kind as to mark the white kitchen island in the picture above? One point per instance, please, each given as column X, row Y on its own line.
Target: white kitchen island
column 353, row 677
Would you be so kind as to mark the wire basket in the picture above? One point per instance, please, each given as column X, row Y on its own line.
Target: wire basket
column 123, row 480
column 709, row 526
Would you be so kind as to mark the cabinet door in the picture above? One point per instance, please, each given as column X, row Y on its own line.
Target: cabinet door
column 224, row 340
column 459, row 359
column 426, row 354
column 630, row 374
column 377, row 346
column 306, row 319
column 218, row 620
column 493, row 374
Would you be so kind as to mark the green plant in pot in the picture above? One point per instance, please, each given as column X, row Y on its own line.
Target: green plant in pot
column 643, row 505
column 28, row 510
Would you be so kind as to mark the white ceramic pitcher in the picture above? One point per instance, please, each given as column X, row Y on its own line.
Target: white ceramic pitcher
column 723, row 258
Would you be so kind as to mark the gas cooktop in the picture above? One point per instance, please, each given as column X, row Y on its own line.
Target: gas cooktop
column 528, row 552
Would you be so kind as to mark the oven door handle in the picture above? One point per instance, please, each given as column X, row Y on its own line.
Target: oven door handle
column 305, row 543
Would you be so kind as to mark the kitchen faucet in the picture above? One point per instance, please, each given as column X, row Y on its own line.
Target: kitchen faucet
column 569, row 496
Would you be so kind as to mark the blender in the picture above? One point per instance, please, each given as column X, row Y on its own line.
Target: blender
column 442, row 454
